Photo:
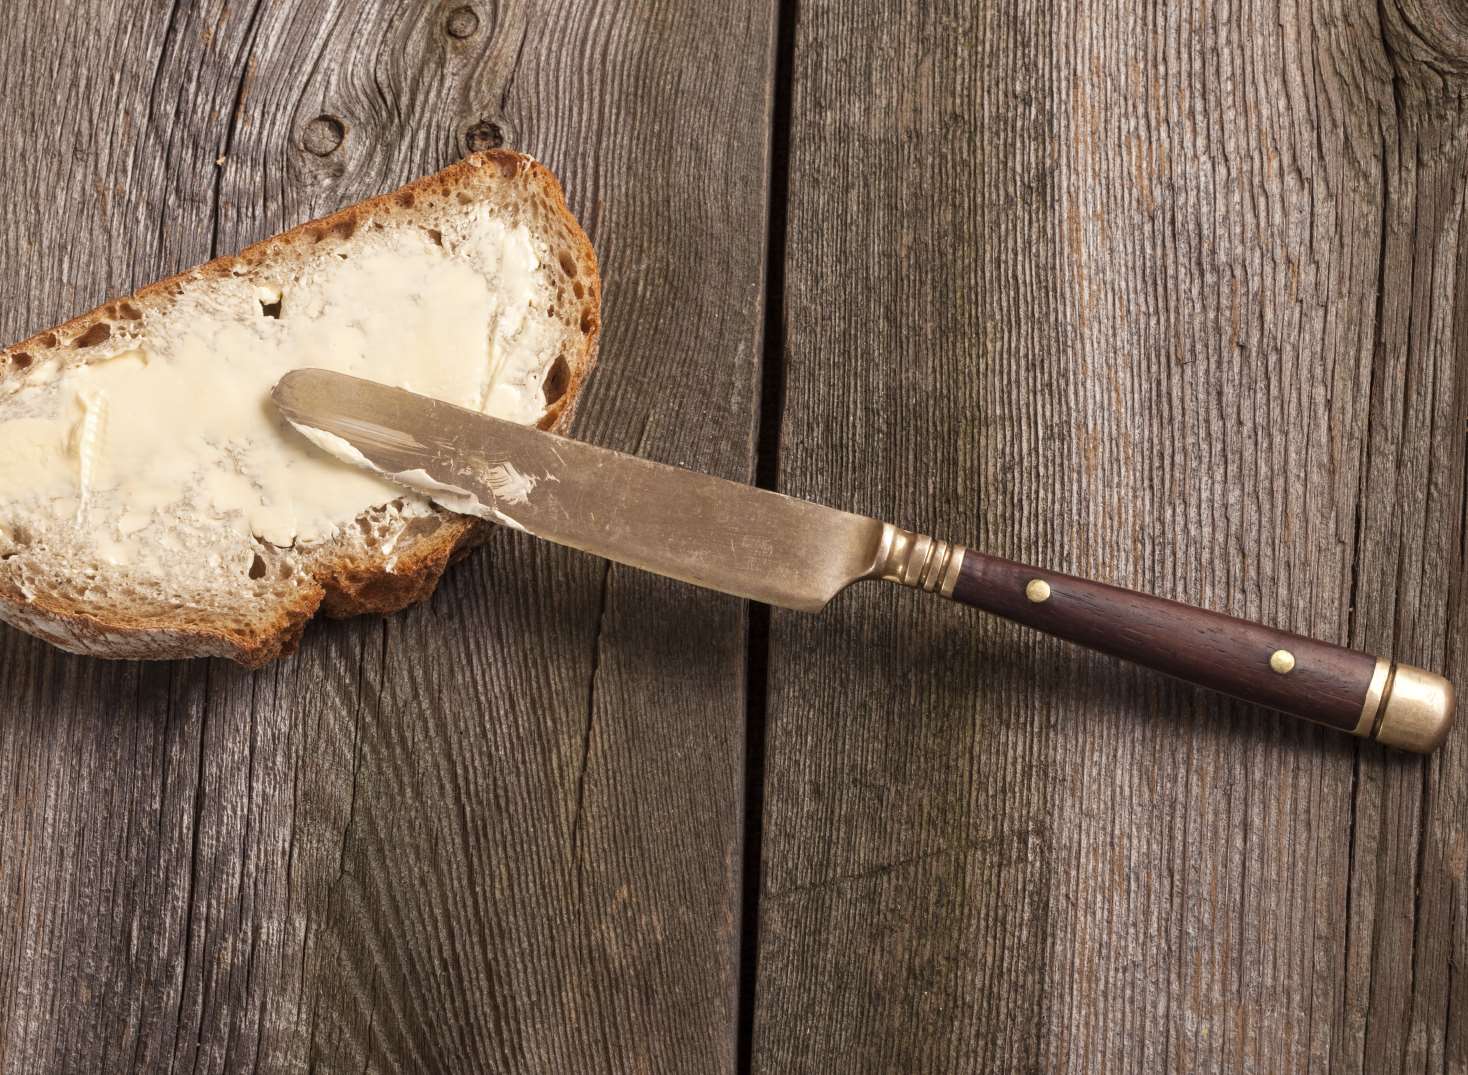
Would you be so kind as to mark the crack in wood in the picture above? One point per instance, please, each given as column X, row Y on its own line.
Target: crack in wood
column 514, row 67
column 191, row 910
column 164, row 50
column 247, row 74
column 1015, row 842
column 246, row 832
column 576, row 815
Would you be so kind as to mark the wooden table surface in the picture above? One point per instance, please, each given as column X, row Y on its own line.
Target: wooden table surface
column 1171, row 295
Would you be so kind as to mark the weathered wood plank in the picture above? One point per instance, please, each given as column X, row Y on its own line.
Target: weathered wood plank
column 1257, row 256
column 1175, row 295
column 906, row 799
column 499, row 832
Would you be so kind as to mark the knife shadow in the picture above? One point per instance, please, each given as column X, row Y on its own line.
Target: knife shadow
column 895, row 650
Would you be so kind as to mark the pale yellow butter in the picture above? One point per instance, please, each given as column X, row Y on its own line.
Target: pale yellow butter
column 177, row 425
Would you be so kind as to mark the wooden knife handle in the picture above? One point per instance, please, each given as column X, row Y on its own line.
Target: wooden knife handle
column 1396, row 704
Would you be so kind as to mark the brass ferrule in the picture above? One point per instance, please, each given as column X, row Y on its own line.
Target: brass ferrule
column 1407, row 708
column 919, row 561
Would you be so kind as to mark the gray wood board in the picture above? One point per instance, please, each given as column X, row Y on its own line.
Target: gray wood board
column 501, row 831
column 1171, row 297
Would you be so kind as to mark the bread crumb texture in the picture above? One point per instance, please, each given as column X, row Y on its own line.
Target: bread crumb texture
column 153, row 504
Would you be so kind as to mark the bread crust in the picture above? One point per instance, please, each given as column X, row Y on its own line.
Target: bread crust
column 345, row 583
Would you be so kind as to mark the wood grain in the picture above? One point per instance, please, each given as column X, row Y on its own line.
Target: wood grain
column 1174, row 293
column 1256, row 269
column 500, row 832
column 906, row 870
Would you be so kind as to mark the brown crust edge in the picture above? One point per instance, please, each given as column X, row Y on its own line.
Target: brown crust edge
column 349, row 586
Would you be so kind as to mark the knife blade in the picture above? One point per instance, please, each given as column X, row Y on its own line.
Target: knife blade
column 694, row 527
column 767, row 547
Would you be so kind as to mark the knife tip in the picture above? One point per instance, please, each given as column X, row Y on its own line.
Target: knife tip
column 289, row 383
column 294, row 391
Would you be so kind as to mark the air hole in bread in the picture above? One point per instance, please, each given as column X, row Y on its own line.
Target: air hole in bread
column 271, row 309
column 257, row 567
column 47, row 339
column 587, row 322
column 568, row 265
column 101, row 332
column 578, row 290
column 22, row 360
column 557, row 380
column 406, row 200
column 130, row 312
column 434, row 236
column 9, row 545
column 465, row 198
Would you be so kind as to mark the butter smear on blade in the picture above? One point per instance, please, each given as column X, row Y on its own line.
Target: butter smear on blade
column 505, row 482
column 175, row 424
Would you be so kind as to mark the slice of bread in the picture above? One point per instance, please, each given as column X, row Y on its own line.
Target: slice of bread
column 153, row 505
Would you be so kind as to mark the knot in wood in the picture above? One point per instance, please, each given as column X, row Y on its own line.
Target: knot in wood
column 324, row 135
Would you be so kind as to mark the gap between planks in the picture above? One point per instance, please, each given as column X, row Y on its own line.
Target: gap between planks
column 766, row 476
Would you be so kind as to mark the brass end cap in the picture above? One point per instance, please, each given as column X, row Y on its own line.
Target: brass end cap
column 1417, row 712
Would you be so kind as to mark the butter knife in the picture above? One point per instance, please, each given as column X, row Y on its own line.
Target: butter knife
column 772, row 548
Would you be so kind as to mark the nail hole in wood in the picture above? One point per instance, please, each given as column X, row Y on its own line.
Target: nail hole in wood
column 484, row 135
column 324, row 135
column 462, row 22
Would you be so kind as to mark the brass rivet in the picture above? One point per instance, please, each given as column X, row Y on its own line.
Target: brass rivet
column 1038, row 591
column 1282, row 661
